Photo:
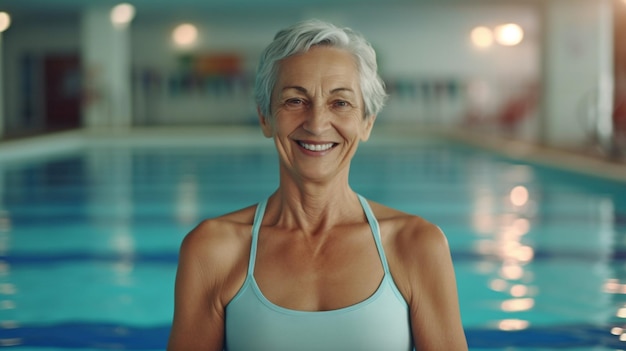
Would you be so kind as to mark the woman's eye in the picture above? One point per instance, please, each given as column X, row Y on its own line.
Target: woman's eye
column 294, row 102
column 342, row 104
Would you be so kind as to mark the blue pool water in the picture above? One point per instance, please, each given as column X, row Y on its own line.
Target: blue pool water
column 89, row 239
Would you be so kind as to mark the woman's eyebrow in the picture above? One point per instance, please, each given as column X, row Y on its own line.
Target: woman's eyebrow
column 295, row 87
column 304, row 91
column 341, row 90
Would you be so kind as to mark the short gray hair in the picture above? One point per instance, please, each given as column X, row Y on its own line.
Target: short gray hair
column 298, row 39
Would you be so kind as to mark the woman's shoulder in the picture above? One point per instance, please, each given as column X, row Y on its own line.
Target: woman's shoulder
column 220, row 237
column 408, row 231
column 213, row 257
column 417, row 250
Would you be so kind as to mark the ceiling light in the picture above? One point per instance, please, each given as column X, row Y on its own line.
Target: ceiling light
column 185, row 35
column 482, row 37
column 122, row 15
column 5, row 21
column 509, row 34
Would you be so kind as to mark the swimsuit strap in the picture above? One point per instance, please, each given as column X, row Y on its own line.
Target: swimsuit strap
column 258, row 218
column 371, row 219
column 256, row 226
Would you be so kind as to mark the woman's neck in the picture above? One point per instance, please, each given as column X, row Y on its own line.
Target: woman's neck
column 314, row 207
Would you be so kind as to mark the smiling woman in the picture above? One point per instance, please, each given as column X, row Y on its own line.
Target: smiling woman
column 317, row 110
column 316, row 266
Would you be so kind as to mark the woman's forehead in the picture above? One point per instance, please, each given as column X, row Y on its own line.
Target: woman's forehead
column 335, row 68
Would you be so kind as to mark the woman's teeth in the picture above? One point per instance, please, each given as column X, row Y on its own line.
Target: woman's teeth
column 316, row 147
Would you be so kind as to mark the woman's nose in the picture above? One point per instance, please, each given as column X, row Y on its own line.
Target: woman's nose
column 317, row 119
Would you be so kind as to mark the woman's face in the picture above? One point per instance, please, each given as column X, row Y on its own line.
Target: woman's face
column 317, row 113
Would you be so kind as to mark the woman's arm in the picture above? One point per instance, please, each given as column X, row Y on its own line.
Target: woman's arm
column 198, row 309
column 433, row 298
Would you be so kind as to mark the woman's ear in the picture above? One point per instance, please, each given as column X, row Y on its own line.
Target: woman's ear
column 368, row 124
column 266, row 124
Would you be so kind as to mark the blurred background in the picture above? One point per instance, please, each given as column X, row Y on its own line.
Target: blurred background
column 549, row 72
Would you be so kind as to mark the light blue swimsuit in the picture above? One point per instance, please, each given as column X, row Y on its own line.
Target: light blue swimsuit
column 381, row 322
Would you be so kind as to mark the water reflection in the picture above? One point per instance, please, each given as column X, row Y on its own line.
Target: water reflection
column 7, row 288
column 110, row 204
column 517, row 305
column 519, row 196
column 614, row 285
column 513, row 324
column 187, row 200
column 503, row 214
column 620, row 332
column 574, row 225
column 5, row 221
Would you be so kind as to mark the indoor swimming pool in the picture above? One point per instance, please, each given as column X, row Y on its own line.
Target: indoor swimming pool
column 89, row 236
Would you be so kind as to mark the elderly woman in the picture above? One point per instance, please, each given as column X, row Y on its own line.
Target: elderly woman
column 316, row 266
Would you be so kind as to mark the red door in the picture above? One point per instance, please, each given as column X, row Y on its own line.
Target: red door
column 62, row 92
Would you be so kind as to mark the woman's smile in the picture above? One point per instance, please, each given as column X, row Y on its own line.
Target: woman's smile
column 316, row 147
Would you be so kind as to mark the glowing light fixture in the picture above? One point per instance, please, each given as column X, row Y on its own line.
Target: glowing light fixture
column 185, row 35
column 482, row 37
column 122, row 15
column 509, row 34
column 5, row 21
